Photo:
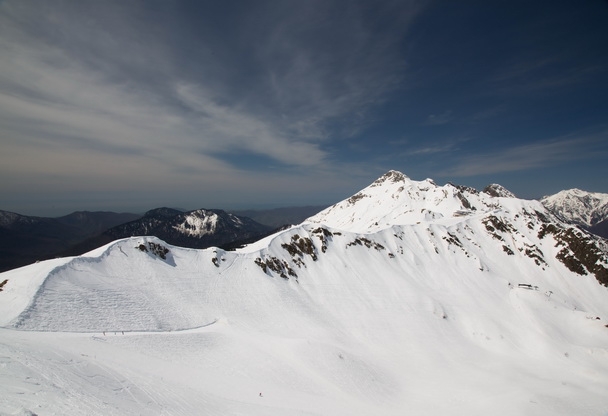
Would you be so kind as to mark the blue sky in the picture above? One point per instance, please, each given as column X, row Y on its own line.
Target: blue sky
column 131, row 105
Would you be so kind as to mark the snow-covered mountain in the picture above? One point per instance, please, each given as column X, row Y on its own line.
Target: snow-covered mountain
column 195, row 229
column 408, row 297
column 586, row 209
column 495, row 189
column 394, row 199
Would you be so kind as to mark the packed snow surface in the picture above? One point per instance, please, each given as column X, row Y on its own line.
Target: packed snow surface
column 412, row 305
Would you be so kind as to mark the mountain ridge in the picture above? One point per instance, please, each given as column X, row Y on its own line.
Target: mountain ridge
column 396, row 199
column 199, row 228
column 383, row 302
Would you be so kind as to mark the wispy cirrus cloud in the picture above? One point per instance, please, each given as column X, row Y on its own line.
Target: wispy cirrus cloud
column 214, row 99
column 118, row 92
column 443, row 146
column 540, row 154
column 545, row 73
column 100, row 95
column 325, row 78
column 430, row 150
column 439, row 119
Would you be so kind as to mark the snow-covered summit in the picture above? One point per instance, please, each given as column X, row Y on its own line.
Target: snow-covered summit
column 202, row 222
column 196, row 229
column 578, row 207
column 497, row 190
column 395, row 199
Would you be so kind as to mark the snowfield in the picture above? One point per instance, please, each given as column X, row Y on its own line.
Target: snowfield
column 412, row 302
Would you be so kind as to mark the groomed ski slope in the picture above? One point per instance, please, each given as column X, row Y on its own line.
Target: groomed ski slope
column 418, row 319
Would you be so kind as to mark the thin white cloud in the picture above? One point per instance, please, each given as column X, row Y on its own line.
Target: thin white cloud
column 232, row 130
column 63, row 122
column 444, row 146
column 439, row 119
column 95, row 99
column 538, row 74
column 326, row 64
column 65, row 94
column 532, row 156
column 429, row 150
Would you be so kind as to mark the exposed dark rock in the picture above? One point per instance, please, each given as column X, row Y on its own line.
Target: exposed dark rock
column 535, row 254
column 324, row 235
column 281, row 267
column 157, row 249
column 366, row 242
column 391, row 176
column 497, row 191
column 492, row 222
column 299, row 246
column 580, row 252
column 356, row 197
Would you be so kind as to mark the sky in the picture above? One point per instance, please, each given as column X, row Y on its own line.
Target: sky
column 131, row 105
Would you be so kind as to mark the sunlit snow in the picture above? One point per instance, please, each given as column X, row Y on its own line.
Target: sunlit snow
column 198, row 225
column 402, row 300
column 577, row 206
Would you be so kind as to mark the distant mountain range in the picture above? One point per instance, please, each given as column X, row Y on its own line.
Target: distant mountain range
column 26, row 239
column 199, row 228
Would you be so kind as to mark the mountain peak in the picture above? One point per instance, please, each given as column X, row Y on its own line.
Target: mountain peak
column 162, row 212
column 7, row 218
column 577, row 206
column 497, row 190
column 198, row 228
column 394, row 199
column 392, row 176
